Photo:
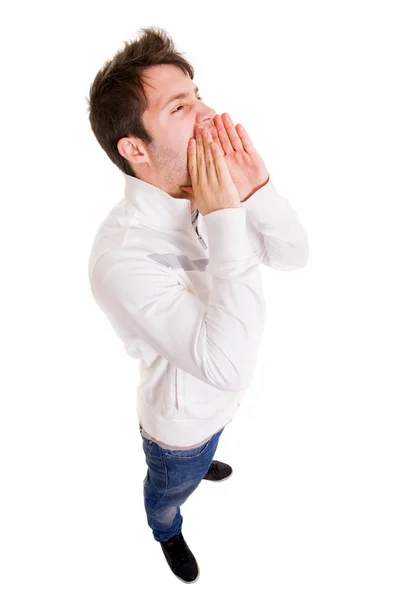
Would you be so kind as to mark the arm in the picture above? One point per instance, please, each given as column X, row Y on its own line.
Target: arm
column 217, row 342
column 284, row 240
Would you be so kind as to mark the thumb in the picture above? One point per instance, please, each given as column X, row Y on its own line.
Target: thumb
column 187, row 188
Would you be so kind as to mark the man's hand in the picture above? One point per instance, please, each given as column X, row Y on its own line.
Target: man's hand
column 245, row 165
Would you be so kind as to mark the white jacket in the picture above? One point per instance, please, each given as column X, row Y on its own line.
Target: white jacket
column 190, row 307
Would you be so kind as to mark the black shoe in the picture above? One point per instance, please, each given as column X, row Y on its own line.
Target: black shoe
column 218, row 471
column 180, row 559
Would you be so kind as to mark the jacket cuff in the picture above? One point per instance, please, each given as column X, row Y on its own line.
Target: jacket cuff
column 266, row 206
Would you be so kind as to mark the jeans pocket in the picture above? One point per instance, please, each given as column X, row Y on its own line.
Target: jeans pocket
column 190, row 453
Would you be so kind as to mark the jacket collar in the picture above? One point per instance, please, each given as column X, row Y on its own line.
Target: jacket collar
column 157, row 208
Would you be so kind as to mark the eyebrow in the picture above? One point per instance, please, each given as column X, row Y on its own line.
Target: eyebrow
column 178, row 97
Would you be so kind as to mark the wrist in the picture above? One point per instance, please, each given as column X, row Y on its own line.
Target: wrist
column 255, row 189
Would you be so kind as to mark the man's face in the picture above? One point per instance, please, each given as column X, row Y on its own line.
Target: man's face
column 171, row 123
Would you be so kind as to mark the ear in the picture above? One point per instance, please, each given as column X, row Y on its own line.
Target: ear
column 132, row 149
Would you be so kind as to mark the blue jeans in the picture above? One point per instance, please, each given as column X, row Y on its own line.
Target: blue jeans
column 172, row 475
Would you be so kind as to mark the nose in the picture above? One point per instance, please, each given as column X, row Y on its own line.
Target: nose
column 205, row 119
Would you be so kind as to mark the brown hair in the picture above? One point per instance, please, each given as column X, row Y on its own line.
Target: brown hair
column 117, row 99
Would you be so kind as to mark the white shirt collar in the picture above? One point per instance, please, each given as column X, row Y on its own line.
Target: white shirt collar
column 156, row 207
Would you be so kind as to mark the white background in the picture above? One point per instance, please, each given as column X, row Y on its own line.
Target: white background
column 312, row 508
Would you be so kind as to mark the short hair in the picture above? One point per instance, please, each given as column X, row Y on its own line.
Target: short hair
column 117, row 98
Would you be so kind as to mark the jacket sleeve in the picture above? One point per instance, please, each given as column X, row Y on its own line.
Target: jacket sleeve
column 217, row 342
column 283, row 239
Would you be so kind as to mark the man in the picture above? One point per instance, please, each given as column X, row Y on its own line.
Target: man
column 175, row 267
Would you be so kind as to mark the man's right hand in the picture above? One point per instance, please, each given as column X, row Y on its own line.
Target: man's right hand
column 212, row 184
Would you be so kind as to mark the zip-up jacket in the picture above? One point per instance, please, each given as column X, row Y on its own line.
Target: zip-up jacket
column 186, row 299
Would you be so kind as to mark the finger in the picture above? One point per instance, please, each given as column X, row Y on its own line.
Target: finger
column 231, row 132
column 246, row 141
column 192, row 163
column 201, row 168
column 215, row 137
column 209, row 157
column 223, row 137
column 221, row 168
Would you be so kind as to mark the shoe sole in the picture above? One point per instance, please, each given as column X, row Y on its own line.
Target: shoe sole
column 184, row 580
column 218, row 480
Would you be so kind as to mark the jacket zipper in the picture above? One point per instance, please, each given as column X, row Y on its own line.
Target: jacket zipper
column 197, row 234
column 200, row 238
column 202, row 241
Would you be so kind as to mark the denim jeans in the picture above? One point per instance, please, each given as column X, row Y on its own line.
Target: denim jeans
column 172, row 475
